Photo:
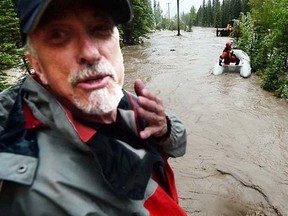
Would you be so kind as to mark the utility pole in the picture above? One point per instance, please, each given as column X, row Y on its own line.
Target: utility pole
column 169, row 10
column 178, row 19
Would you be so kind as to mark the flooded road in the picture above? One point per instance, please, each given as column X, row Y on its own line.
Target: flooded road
column 237, row 155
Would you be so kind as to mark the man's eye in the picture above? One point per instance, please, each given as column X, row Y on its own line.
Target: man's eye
column 100, row 31
column 58, row 36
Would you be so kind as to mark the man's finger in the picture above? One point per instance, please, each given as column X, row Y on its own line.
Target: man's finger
column 138, row 87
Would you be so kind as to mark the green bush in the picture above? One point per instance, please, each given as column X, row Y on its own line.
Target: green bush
column 273, row 78
column 264, row 39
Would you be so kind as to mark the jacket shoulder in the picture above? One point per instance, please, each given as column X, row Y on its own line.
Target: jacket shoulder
column 7, row 99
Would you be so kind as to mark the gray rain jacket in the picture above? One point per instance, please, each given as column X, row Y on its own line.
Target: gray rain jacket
column 49, row 170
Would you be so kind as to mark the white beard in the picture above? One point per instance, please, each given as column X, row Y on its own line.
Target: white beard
column 101, row 101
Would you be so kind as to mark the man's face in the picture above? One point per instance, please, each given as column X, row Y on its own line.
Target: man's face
column 78, row 57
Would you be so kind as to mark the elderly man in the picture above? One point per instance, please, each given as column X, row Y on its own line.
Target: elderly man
column 72, row 141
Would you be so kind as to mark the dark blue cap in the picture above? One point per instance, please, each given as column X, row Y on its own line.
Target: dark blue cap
column 30, row 11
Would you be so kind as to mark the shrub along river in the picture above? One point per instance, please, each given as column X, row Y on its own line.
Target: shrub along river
column 237, row 155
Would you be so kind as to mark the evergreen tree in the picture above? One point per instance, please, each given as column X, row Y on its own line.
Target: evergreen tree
column 237, row 8
column 205, row 18
column 10, row 37
column 10, row 54
column 199, row 15
column 157, row 14
column 149, row 13
column 217, row 14
column 192, row 17
column 140, row 26
column 188, row 19
column 210, row 15
column 245, row 6
column 226, row 12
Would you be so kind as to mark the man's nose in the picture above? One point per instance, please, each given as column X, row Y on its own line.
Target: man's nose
column 89, row 52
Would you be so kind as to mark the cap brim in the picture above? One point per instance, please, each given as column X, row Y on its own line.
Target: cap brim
column 120, row 10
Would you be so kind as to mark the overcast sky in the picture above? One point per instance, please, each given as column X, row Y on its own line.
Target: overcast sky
column 184, row 5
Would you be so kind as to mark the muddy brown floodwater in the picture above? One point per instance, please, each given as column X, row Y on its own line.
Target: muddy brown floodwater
column 237, row 155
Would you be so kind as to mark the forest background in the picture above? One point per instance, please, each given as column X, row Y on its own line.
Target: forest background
column 262, row 32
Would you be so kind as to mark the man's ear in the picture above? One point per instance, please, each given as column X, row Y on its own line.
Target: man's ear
column 34, row 62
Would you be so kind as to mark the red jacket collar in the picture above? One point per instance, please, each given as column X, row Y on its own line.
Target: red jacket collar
column 84, row 132
column 31, row 122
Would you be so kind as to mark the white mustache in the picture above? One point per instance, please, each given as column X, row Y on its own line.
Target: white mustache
column 91, row 70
